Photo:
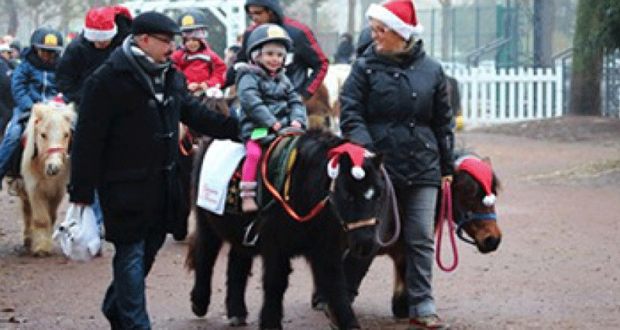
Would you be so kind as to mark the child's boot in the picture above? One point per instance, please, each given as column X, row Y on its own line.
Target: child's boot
column 248, row 192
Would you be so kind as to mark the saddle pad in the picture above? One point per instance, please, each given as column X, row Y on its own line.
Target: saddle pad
column 218, row 166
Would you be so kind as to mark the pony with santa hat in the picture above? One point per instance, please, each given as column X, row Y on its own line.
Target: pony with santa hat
column 322, row 188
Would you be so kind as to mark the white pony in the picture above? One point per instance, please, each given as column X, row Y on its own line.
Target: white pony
column 44, row 171
column 336, row 75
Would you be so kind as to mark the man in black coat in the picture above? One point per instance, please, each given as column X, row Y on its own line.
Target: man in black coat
column 126, row 147
column 105, row 28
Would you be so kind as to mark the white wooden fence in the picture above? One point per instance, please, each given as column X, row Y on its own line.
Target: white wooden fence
column 490, row 96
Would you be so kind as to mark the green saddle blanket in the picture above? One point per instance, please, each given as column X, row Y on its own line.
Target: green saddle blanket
column 282, row 155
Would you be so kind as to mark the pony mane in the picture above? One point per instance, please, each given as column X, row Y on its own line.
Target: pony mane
column 311, row 167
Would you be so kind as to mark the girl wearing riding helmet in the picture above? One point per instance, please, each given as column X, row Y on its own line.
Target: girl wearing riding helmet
column 268, row 100
column 202, row 67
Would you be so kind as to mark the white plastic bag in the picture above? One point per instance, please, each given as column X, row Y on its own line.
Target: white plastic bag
column 79, row 234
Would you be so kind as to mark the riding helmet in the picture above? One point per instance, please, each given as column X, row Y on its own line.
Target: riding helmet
column 47, row 38
column 267, row 33
column 192, row 19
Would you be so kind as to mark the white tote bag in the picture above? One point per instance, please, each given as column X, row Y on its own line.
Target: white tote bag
column 79, row 234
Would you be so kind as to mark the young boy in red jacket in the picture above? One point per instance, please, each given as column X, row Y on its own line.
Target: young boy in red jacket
column 202, row 67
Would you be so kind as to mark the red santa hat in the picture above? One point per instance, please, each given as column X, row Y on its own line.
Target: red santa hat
column 99, row 25
column 355, row 152
column 398, row 15
column 121, row 10
column 482, row 172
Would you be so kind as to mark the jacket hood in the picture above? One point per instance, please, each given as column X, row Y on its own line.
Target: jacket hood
column 274, row 5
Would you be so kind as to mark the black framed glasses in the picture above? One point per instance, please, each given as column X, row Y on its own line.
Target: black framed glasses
column 164, row 39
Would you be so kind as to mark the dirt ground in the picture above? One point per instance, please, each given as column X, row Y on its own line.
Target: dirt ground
column 558, row 266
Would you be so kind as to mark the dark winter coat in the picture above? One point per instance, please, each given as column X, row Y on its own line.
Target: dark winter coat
column 80, row 59
column 344, row 53
column 33, row 81
column 306, row 53
column 126, row 146
column 266, row 100
column 6, row 98
column 401, row 109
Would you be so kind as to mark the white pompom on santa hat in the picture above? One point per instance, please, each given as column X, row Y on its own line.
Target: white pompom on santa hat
column 99, row 24
column 398, row 15
column 356, row 153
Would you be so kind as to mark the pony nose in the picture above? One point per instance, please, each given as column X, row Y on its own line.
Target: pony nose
column 52, row 170
column 491, row 244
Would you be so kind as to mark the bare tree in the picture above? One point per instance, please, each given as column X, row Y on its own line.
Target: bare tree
column 596, row 32
column 446, row 23
column 10, row 7
column 351, row 16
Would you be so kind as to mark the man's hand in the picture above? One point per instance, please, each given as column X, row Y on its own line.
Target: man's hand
column 446, row 178
column 276, row 127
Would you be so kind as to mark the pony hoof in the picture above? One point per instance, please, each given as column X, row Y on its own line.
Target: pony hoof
column 22, row 250
column 400, row 307
column 27, row 243
column 237, row 321
column 320, row 306
column 41, row 254
column 198, row 310
column 318, row 302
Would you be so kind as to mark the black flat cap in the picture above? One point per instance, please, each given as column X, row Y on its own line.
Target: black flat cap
column 154, row 22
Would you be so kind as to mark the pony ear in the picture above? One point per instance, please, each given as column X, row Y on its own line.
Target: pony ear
column 70, row 115
column 377, row 159
column 71, row 106
column 333, row 168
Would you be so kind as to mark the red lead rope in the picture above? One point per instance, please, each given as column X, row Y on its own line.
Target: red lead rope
column 446, row 216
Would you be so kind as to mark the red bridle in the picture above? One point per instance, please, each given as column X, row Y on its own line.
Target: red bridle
column 55, row 150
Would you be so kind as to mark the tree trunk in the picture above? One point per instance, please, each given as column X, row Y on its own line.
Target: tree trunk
column 544, row 23
column 351, row 17
column 11, row 9
column 314, row 13
column 446, row 27
column 585, row 97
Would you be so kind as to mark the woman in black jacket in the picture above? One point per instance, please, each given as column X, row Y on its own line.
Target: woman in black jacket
column 395, row 101
column 344, row 53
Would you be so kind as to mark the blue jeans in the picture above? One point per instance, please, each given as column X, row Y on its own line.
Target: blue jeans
column 10, row 142
column 124, row 304
column 98, row 214
column 418, row 208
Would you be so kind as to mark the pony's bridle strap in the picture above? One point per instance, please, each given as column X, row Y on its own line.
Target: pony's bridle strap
column 471, row 217
column 359, row 224
column 55, row 150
